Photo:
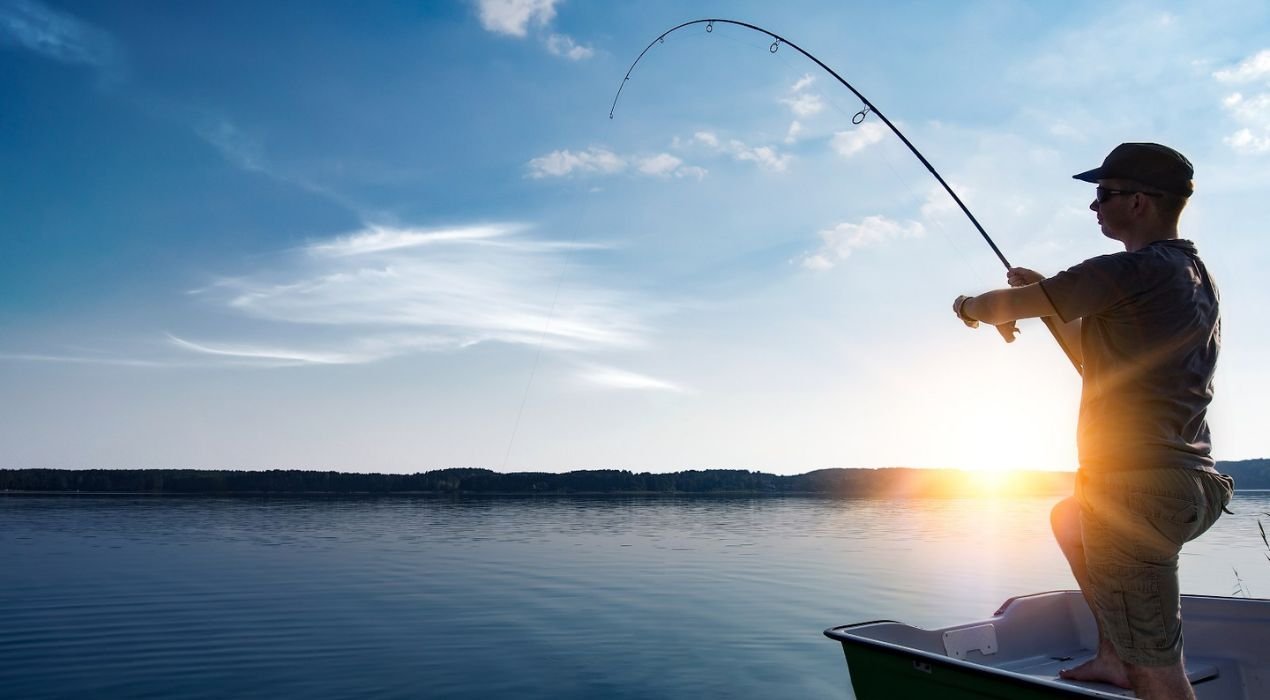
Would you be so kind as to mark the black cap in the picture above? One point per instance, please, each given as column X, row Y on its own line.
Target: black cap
column 1149, row 163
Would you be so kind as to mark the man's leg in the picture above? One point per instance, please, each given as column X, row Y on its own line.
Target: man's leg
column 1106, row 666
column 1133, row 525
column 1161, row 682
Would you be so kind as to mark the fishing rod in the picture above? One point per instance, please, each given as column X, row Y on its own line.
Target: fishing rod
column 858, row 118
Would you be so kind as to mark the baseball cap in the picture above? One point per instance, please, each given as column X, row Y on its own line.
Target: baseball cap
column 1149, row 163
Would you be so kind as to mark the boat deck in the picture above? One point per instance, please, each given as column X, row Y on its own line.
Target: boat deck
column 1019, row 651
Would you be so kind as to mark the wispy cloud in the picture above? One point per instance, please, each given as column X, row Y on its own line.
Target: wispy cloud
column 377, row 239
column 564, row 162
column 795, row 128
column 246, row 149
column 515, row 17
column 804, row 105
column 562, row 45
column 849, row 143
column 803, row 83
column 81, row 360
column 601, row 161
column 938, row 206
column 55, row 35
column 766, row 157
column 613, row 378
column 1251, row 113
column 707, row 137
column 383, row 292
column 234, row 145
column 350, row 351
column 838, row 242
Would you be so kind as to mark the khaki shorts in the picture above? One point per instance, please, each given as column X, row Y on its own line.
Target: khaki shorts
column 1133, row 525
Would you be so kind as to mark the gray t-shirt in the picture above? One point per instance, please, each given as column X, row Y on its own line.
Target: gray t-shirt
column 1150, row 335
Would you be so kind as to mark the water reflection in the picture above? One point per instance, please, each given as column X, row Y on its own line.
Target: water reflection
column 541, row 597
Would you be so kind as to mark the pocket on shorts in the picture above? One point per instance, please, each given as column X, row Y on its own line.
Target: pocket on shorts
column 1163, row 508
column 1145, row 624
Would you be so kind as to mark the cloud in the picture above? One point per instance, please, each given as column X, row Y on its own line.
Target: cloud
column 513, row 17
column 235, row 146
column 795, row 128
column 765, row 156
column 600, row 161
column 1255, row 67
column 613, row 378
column 562, row 45
column 664, row 165
column 355, row 351
column 384, row 292
column 938, row 205
column 82, row 360
column 804, row 105
column 1251, row 113
column 849, row 143
column 1245, row 141
column 246, row 150
column 54, row 35
column 839, row 242
column 660, row 164
column 561, row 163
column 376, row 239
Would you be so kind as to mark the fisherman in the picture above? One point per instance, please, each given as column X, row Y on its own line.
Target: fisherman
column 1145, row 328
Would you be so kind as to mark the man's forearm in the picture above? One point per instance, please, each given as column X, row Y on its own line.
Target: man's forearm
column 1004, row 305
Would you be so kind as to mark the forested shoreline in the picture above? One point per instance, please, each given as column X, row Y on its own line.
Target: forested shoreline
column 890, row 481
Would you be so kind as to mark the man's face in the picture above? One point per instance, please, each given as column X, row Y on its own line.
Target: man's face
column 1112, row 205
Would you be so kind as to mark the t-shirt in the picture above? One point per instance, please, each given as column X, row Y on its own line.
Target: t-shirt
column 1150, row 335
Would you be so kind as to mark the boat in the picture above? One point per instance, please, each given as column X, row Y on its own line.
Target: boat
column 1017, row 653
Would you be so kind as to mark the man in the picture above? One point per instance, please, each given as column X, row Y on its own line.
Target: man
column 1144, row 326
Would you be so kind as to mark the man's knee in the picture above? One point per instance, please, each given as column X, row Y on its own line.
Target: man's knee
column 1065, row 521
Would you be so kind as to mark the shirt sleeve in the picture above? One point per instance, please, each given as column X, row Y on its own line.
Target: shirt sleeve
column 1091, row 287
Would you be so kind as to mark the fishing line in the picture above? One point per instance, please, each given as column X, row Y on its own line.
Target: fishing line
column 533, row 369
column 778, row 43
column 565, row 259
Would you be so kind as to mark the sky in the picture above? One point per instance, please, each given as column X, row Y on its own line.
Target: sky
column 396, row 237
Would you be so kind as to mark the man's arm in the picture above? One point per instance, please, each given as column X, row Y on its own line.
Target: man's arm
column 1001, row 307
column 1004, row 305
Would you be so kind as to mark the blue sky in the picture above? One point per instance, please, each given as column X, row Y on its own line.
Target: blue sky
column 406, row 236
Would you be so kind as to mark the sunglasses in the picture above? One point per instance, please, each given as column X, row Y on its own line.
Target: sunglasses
column 1102, row 194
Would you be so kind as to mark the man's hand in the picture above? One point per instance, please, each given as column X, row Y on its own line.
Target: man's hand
column 959, row 310
column 1008, row 331
column 1022, row 277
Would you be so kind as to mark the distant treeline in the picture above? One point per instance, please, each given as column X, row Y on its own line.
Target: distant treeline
column 1249, row 474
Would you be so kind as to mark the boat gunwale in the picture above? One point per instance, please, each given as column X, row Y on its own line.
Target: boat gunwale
column 840, row 634
column 983, row 670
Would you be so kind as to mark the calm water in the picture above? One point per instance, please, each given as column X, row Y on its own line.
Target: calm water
column 536, row 598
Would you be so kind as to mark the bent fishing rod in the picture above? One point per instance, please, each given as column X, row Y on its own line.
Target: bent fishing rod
column 859, row 117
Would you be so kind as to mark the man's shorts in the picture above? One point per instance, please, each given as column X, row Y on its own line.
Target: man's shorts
column 1133, row 525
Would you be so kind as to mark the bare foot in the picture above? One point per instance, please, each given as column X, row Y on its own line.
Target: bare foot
column 1100, row 669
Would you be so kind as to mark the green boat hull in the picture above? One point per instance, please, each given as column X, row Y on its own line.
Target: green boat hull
column 884, row 674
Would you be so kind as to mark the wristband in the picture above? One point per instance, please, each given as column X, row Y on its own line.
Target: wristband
column 961, row 311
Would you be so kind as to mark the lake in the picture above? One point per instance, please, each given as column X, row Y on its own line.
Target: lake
column 571, row 597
